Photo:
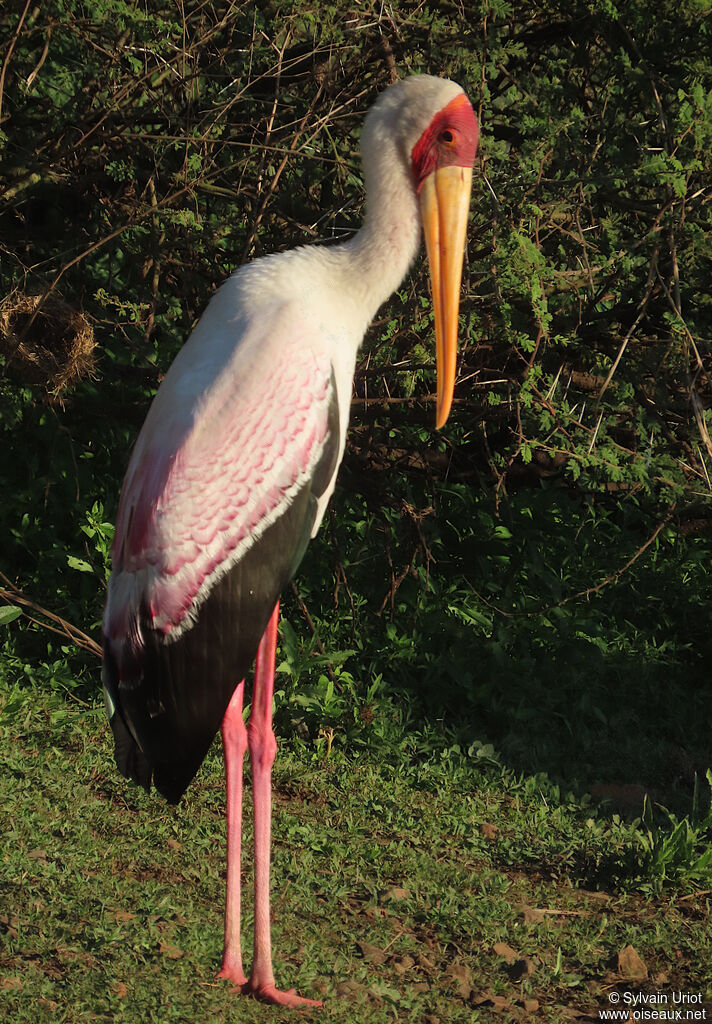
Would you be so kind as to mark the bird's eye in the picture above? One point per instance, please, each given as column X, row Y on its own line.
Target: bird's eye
column 447, row 136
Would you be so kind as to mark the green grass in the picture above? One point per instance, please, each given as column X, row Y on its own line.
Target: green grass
column 463, row 772
column 395, row 877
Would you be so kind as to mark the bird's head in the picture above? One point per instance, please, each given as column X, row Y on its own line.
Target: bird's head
column 435, row 130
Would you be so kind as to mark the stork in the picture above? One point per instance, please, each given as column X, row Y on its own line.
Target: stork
column 234, row 466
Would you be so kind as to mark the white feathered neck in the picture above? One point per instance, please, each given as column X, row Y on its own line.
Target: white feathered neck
column 365, row 270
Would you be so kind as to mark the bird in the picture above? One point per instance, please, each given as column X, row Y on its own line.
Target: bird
column 234, row 466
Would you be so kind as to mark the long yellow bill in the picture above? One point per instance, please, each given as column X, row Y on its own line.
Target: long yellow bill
column 444, row 205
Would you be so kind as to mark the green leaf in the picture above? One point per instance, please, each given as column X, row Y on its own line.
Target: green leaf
column 80, row 564
column 9, row 613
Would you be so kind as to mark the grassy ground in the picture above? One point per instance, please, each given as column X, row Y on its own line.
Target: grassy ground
column 413, row 889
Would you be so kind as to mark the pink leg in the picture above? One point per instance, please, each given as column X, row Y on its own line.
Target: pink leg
column 234, row 737
column 263, row 746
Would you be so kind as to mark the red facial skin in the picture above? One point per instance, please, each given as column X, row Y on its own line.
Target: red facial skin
column 450, row 140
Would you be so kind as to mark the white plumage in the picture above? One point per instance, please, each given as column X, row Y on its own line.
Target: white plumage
column 237, row 460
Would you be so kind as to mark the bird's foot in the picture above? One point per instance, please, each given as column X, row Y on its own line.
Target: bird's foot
column 271, row 994
column 232, row 972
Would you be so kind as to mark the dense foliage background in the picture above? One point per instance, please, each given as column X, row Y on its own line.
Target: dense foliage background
column 531, row 585
column 145, row 154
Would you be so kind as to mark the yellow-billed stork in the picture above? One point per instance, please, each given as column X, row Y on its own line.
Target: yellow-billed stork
column 235, row 464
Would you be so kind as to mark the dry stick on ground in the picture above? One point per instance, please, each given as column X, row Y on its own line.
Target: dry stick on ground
column 80, row 639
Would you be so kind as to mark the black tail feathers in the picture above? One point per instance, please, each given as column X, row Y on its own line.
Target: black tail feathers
column 130, row 759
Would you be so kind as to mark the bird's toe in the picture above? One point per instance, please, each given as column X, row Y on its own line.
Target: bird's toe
column 277, row 997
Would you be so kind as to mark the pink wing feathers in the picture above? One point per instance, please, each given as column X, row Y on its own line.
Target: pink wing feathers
column 191, row 509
